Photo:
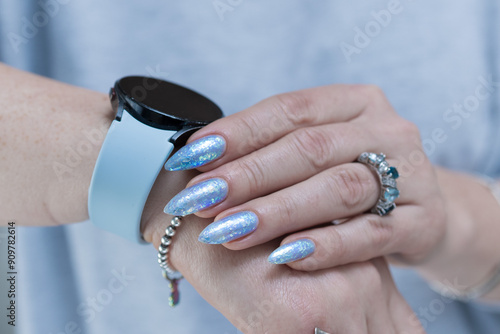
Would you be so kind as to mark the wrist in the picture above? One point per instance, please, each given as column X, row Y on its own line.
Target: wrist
column 154, row 220
column 459, row 229
column 74, row 167
column 47, row 157
column 185, row 252
column 469, row 250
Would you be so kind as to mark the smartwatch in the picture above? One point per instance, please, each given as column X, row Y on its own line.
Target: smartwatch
column 152, row 117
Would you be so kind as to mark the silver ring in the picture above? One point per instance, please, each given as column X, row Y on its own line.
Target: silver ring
column 388, row 186
column 319, row 331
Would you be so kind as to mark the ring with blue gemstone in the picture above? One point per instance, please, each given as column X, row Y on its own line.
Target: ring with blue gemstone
column 388, row 186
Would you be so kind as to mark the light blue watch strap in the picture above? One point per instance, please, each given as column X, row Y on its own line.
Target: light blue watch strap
column 130, row 159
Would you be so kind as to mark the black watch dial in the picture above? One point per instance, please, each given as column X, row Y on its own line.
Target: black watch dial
column 162, row 104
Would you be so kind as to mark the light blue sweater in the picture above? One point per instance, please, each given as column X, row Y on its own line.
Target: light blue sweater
column 430, row 57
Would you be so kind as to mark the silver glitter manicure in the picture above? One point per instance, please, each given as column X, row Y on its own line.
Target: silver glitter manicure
column 196, row 154
column 198, row 197
column 229, row 228
column 292, row 251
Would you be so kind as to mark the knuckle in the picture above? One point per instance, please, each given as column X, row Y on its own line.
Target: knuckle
column 374, row 98
column 370, row 270
column 252, row 128
column 315, row 146
column 373, row 90
column 294, row 108
column 410, row 141
column 409, row 129
column 286, row 209
column 351, row 187
column 380, row 233
column 331, row 251
column 337, row 247
column 253, row 172
column 370, row 92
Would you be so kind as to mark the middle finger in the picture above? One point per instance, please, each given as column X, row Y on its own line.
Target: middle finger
column 339, row 192
column 294, row 158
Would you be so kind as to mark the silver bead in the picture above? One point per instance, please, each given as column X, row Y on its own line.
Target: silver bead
column 176, row 221
column 165, row 240
column 163, row 249
column 170, row 231
column 169, row 271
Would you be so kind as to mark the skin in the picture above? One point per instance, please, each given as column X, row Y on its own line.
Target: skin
column 445, row 224
column 43, row 121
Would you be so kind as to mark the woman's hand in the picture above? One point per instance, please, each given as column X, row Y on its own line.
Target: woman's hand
column 288, row 164
column 258, row 297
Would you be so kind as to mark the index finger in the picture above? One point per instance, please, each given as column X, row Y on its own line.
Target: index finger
column 274, row 117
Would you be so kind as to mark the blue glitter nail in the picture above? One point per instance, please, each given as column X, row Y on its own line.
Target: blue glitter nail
column 196, row 154
column 229, row 228
column 293, row 251
column 198, row 197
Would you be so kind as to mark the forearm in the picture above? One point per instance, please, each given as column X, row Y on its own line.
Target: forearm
column 471, row 248
column 51, row 136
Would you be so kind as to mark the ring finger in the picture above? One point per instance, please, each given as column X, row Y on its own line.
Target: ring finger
column 359, row 239
column 339, row 192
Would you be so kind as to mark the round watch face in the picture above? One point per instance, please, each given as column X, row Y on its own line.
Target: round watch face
column 163, row 104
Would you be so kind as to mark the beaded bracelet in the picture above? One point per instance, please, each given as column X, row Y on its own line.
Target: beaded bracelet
column 171, row 275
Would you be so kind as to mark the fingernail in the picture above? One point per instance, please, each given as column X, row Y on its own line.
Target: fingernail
column 196, row 154
column 292, row 251
column 198, row 197
column 229, row 228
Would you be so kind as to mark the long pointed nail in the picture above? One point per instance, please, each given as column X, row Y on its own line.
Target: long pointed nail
column 292, row 251
column 198, row 197
column 196, row 154
column 229, row 228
